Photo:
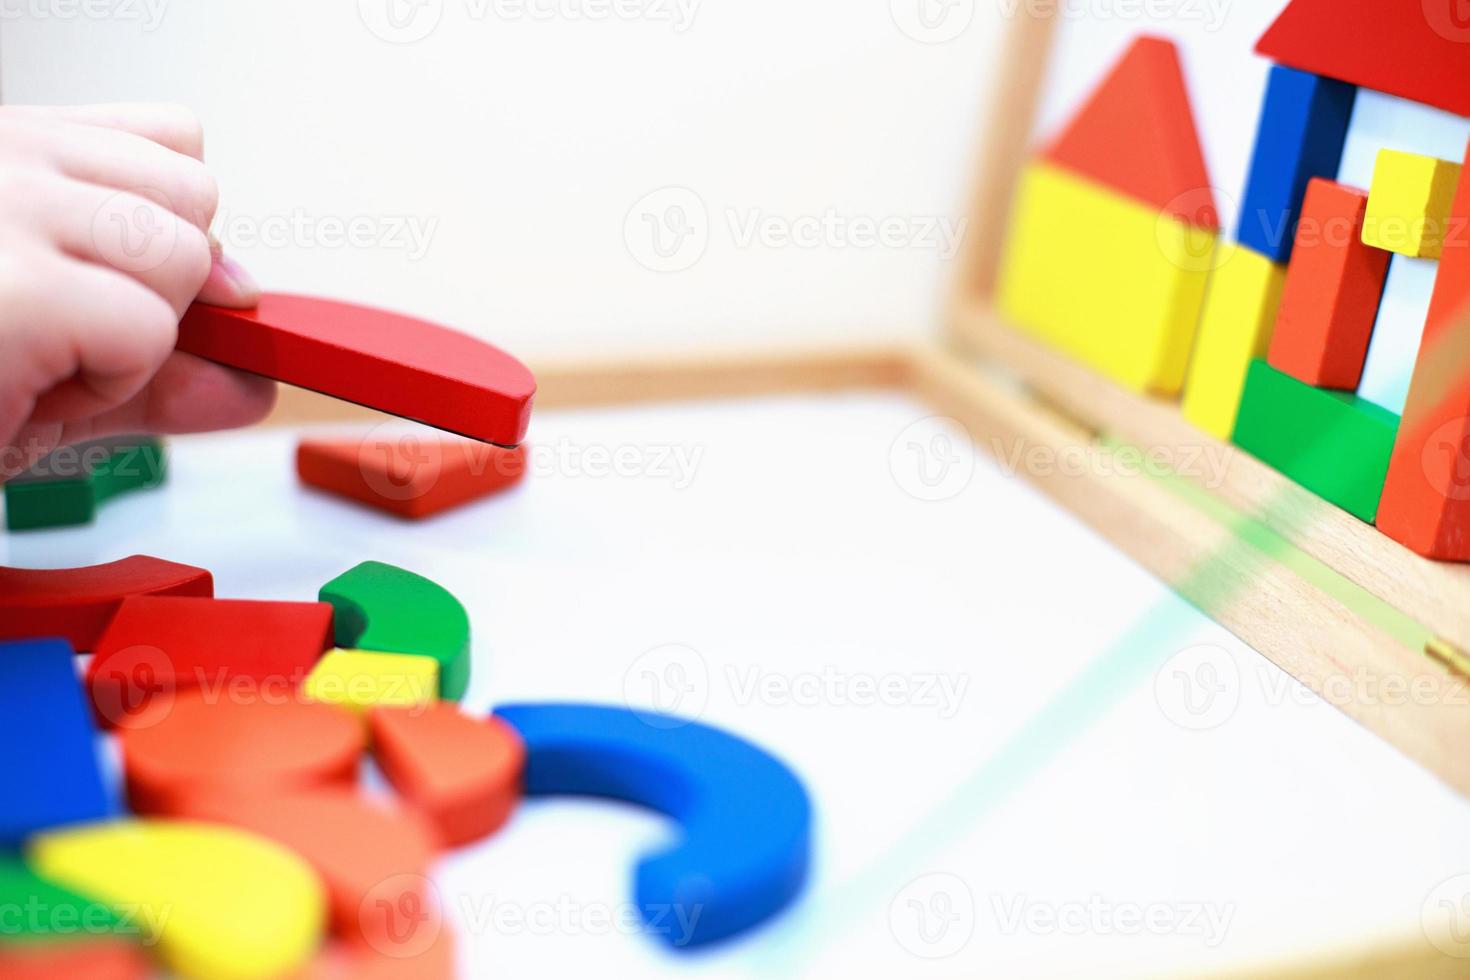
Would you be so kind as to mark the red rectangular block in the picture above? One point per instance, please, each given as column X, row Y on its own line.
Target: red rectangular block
column 159, row 644
column 1426, row 498
column 1333, row 287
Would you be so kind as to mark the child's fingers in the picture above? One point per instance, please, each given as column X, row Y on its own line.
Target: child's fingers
column 124, row 161
column 190, row 394
column 228, row 284
column 81, row 339
column 187, row 394
column 129, row 234
column 173, row 126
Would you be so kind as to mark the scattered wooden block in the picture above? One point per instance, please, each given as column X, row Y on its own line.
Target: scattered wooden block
column 207, row 746
column 1303, row 125
column 74, row 958
column 1332, row 291
column 373, row 860
column 360, row 680
column 387, row 609
column 1105, row 279
column 234, row 906
column 1415, row 51
column 1235, row 328
column 49, row 773
column 387, row 361
column 69, row 485
column 1409, row 204
column 1333, row 443
column 348, row 961
column 744, row 845
column 78, row 603
column 1136, row 135
column 406, row 475
column 464, row 773
column 1426, row 499
column 40, row 912
column 1113, row 231
column 159, row 644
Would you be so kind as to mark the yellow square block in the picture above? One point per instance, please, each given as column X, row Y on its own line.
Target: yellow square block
column 1236, row 327
column 1409, row 203
column 1104, row 278
column 360, row 680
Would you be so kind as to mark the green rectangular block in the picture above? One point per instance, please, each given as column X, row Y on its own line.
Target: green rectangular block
column 1335, row 444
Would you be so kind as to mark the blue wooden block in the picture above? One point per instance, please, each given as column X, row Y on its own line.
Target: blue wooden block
column 49, row 772
column 1304, row 122
column 744, row 847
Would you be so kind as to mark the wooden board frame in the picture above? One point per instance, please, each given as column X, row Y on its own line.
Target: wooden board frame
column 1433, row 595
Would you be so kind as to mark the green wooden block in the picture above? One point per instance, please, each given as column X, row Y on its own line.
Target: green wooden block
column 67, row 487
column 386, row 609
column 33, row 909
column 1335, row 444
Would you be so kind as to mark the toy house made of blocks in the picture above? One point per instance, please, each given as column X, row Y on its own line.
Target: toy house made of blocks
column 1329, row 335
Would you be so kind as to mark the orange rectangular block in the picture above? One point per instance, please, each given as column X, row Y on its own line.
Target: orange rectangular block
column 1333, row 286
column 1426, row 498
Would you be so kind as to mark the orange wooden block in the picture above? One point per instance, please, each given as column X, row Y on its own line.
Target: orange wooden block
column 426, row 953
column 408, row 474
column 1426, row 497
column 1333, row 286
column 196, row 746
column 373, row 860
column 1136, row 135
column 464, row 773
column 89, row 958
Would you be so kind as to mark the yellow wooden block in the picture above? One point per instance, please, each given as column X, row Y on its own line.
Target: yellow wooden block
column 1235, row 328
column 1409, row 203
column 221, row 904
column 1104, row 278
column 360, row 680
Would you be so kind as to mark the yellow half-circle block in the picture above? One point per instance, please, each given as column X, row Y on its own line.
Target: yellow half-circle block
column 221, row 904
column 359, row 679
column 1104, row 278
column 1409, row 204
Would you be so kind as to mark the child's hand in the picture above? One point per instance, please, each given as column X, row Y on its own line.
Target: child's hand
column 104, row 217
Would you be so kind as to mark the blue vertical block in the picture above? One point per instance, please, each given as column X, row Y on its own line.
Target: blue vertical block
column 49, row 773
column 1304, row 122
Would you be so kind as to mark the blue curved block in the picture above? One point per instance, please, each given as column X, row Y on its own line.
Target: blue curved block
column 746, row 821
column 49, row 769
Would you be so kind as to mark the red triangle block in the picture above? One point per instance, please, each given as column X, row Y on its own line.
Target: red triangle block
column 1419, row 51
column 1136, row 135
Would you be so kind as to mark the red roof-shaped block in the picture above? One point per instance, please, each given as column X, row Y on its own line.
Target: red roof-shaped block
column 1417, row 50
column 1136, row 134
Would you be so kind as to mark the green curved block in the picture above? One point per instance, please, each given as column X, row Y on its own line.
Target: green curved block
column 386, row 609
column 33, row 909
column 67, row 487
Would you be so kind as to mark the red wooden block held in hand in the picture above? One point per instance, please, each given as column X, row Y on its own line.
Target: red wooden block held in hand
column 386, row 361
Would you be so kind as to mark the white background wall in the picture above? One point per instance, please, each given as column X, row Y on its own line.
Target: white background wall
column 498, row 155
column 520, row 143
